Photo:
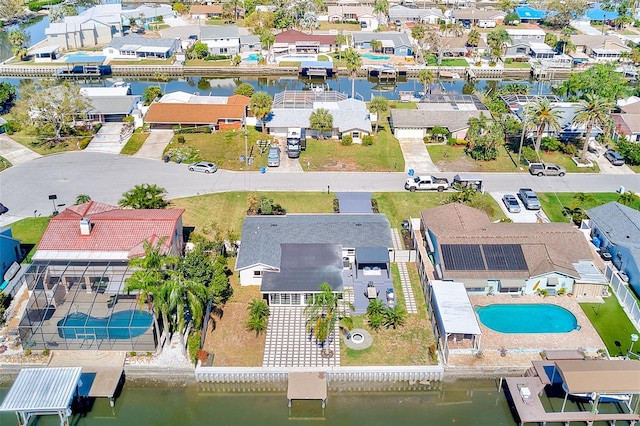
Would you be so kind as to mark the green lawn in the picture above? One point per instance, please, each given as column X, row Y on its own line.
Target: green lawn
column 4, row 164
column 432, row 61
column 168, row 61
column 29, row 231
column 224, row 148
column 46, row 148
column 552, row 203
column 611, row 323
column 134, row 143
column 455, row 155
column 517, row 65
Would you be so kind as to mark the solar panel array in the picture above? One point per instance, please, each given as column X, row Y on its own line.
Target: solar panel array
column 483, row 257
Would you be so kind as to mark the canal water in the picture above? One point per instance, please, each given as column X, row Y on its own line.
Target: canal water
column 460, row 402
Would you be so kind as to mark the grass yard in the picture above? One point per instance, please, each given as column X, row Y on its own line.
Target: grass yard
column 168, row 61
column 384, row 155
column 45, row 148
column 553, row 203
column 432, row 61
column 29, row 231
column 453, row 158
column 203, row 63
column 4, row 164
column 406, row 345
column 325, row 26
column 226, row 211
column 517, row 65
column 134, row 143
column 223, row 148
column 611, row 323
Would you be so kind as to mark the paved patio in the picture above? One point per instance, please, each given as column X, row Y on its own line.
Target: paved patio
column 521, row 349
column 290, row 345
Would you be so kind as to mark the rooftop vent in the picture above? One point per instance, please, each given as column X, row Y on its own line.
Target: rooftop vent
column 85, row 226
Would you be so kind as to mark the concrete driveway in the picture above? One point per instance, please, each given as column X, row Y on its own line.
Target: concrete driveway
column 14, row 152
column 605, row 165
column 155, row 144
column 416, row 156
column 108, row 139
column 525, row 216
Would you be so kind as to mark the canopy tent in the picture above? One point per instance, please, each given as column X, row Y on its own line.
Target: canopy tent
column 43, row 391
column 454, row 314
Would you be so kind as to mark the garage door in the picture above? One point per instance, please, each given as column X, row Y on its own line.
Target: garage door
column 409, row 133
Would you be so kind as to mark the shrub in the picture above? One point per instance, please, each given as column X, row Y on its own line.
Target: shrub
column 27, row 352
column 336, row 205
column 550, row 144
column 216, row 57
column 180, row 139
column 492, row 63
column 529, row 154
column 346, row 140
column 508, row 60
column 483, row 204
column 128, row 119
column 367, row 140
column 568, row 148
column 11, row 126
column 202, row 129
column 452, row 141
column 46, row 352
column 132, row 353
column 193, row 345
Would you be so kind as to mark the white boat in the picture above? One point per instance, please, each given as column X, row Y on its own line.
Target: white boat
column 603, row 397
column 449, row 74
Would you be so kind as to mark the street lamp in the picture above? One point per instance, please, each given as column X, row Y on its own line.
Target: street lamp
column 634, row 339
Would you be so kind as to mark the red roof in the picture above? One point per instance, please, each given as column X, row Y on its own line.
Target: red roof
column 112, row 229
column 292, row 36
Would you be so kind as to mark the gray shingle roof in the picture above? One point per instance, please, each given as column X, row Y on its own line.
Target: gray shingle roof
column 219, row 31
column 263, row 235
column 403, row 12
column 348, row 115
column 134, row 39
column 398, row 39
column 620, row 224
column 304, row 267
column 426, row 119
column 113, row 104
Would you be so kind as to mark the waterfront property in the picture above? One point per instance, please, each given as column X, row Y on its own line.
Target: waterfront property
column 205, row 11
column 221, row 39
column 482, row 18
column 293, row 108
column 599, row 48
column 297, row 42
column 133, row 46
column 92, row 27
column 615, row 229
column 588, row 390
column 393, row 43
column 77, row 279
column 540, row 318
column 400, row 13
column 449, row 111
column 522, row 258
column 112, row 109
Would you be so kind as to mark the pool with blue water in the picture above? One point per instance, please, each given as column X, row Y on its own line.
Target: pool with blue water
column 527, row 318
column 120, row 325
column 375, row 57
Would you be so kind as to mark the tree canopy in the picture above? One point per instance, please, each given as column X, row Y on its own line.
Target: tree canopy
column 260, row 106
column 322, row 121
column 144, row 196
column 245, row 89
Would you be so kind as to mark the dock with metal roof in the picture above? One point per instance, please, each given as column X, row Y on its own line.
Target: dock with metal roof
column 307, row 386
column 43, row 391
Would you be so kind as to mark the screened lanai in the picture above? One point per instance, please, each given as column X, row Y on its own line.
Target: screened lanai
column 456, row 326
column 82, row 305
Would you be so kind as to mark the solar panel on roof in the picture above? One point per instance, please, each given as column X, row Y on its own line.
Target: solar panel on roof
column 462, row 257
column 504, row 257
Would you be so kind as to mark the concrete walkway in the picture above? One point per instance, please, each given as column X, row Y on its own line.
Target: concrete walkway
column 155, row 144
column 416, row 156
column 108, row 139
column 14, row 152
column 409, row 297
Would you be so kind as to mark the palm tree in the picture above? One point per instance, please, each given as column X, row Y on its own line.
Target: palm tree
column 258, row 314
column 187, row 298
column 426, row 77
column 375, row 45
column 378, row 105
column 82, row 198
column 418, row 33
column 593, row 111
column 340, row 40
column 542, row 114
column 473, row 38
column 628, row 198
column 354, row 63
column 261, row 103
column 375, row 314
column 322, row 316
column 381, row 8
column 477, row 125
column 395, row 317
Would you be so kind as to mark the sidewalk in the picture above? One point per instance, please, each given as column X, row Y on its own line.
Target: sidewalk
column 14, row 152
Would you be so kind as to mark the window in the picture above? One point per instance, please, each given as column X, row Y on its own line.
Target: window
column 285, row 299
column 509, row 290
column 274, row 299
column 295, row 298
column 308, row 298
column 223, row 50
column 257, row 274
column 475, row 290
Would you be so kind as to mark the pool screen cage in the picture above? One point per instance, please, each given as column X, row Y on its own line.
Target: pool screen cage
column 82, row 305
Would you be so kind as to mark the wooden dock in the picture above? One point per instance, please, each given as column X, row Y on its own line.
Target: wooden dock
column 307, row 386
column 530, row 409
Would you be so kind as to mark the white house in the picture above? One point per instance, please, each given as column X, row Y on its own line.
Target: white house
column 221, row 40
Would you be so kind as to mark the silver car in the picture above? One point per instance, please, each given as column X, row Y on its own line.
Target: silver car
column 203, row 166
column 511, row 203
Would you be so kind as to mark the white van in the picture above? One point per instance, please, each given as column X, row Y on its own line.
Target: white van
column 486, row 23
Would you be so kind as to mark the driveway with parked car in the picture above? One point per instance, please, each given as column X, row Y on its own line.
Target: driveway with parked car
column 524, row 215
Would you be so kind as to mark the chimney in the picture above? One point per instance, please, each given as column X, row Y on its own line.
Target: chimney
column 85, row 226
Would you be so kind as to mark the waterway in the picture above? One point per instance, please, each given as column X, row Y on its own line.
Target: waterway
column 461, row 402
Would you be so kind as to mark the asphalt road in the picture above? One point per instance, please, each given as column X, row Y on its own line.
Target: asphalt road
column 24, row 188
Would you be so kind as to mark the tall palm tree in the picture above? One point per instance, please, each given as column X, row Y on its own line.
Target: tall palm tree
column 473, row 38
column 381, row 8
column 593, row 111
column 426, row 77
column 261, row 103
column 378, row 105
column 82, row 198
column 544, row 116
column 322, row 316
column 477, row 125
column 354, row 63
column 187, row 298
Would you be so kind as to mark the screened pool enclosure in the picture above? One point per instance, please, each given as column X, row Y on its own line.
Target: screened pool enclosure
column 81, row 305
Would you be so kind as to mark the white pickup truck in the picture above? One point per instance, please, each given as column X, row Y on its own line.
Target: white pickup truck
column 426, row 183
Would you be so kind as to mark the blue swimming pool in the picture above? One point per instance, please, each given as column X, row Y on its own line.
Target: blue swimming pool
column 527, row 318
column 375, row 57
column 253, row 57
column 120, row 325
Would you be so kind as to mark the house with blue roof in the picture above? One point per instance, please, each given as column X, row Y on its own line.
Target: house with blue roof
column 616, row 228
column 596, row 13
column 133, row 46
column 527, row 14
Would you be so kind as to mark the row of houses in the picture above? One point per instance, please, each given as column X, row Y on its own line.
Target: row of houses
column 81, row 263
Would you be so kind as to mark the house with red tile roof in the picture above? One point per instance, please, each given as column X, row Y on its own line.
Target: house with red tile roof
column 101, row 232
column 294, row 41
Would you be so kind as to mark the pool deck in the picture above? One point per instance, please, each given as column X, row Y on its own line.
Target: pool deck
column 521, row 349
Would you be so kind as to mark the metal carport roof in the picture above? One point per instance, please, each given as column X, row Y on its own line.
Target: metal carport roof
column 42, row 390
column 454, row 308
column 372, row 255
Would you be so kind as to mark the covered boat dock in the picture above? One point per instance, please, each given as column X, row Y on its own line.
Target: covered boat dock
column 43, row 391
column 312, row 385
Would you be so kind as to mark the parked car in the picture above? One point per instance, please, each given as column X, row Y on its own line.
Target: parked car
column 529, row 199
column 3, row 209
column 614, row 157
column 391, row 298
column 273, row 157
column 426, row 183
column 546, row 169
column 203, row 166
column 511, row 203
